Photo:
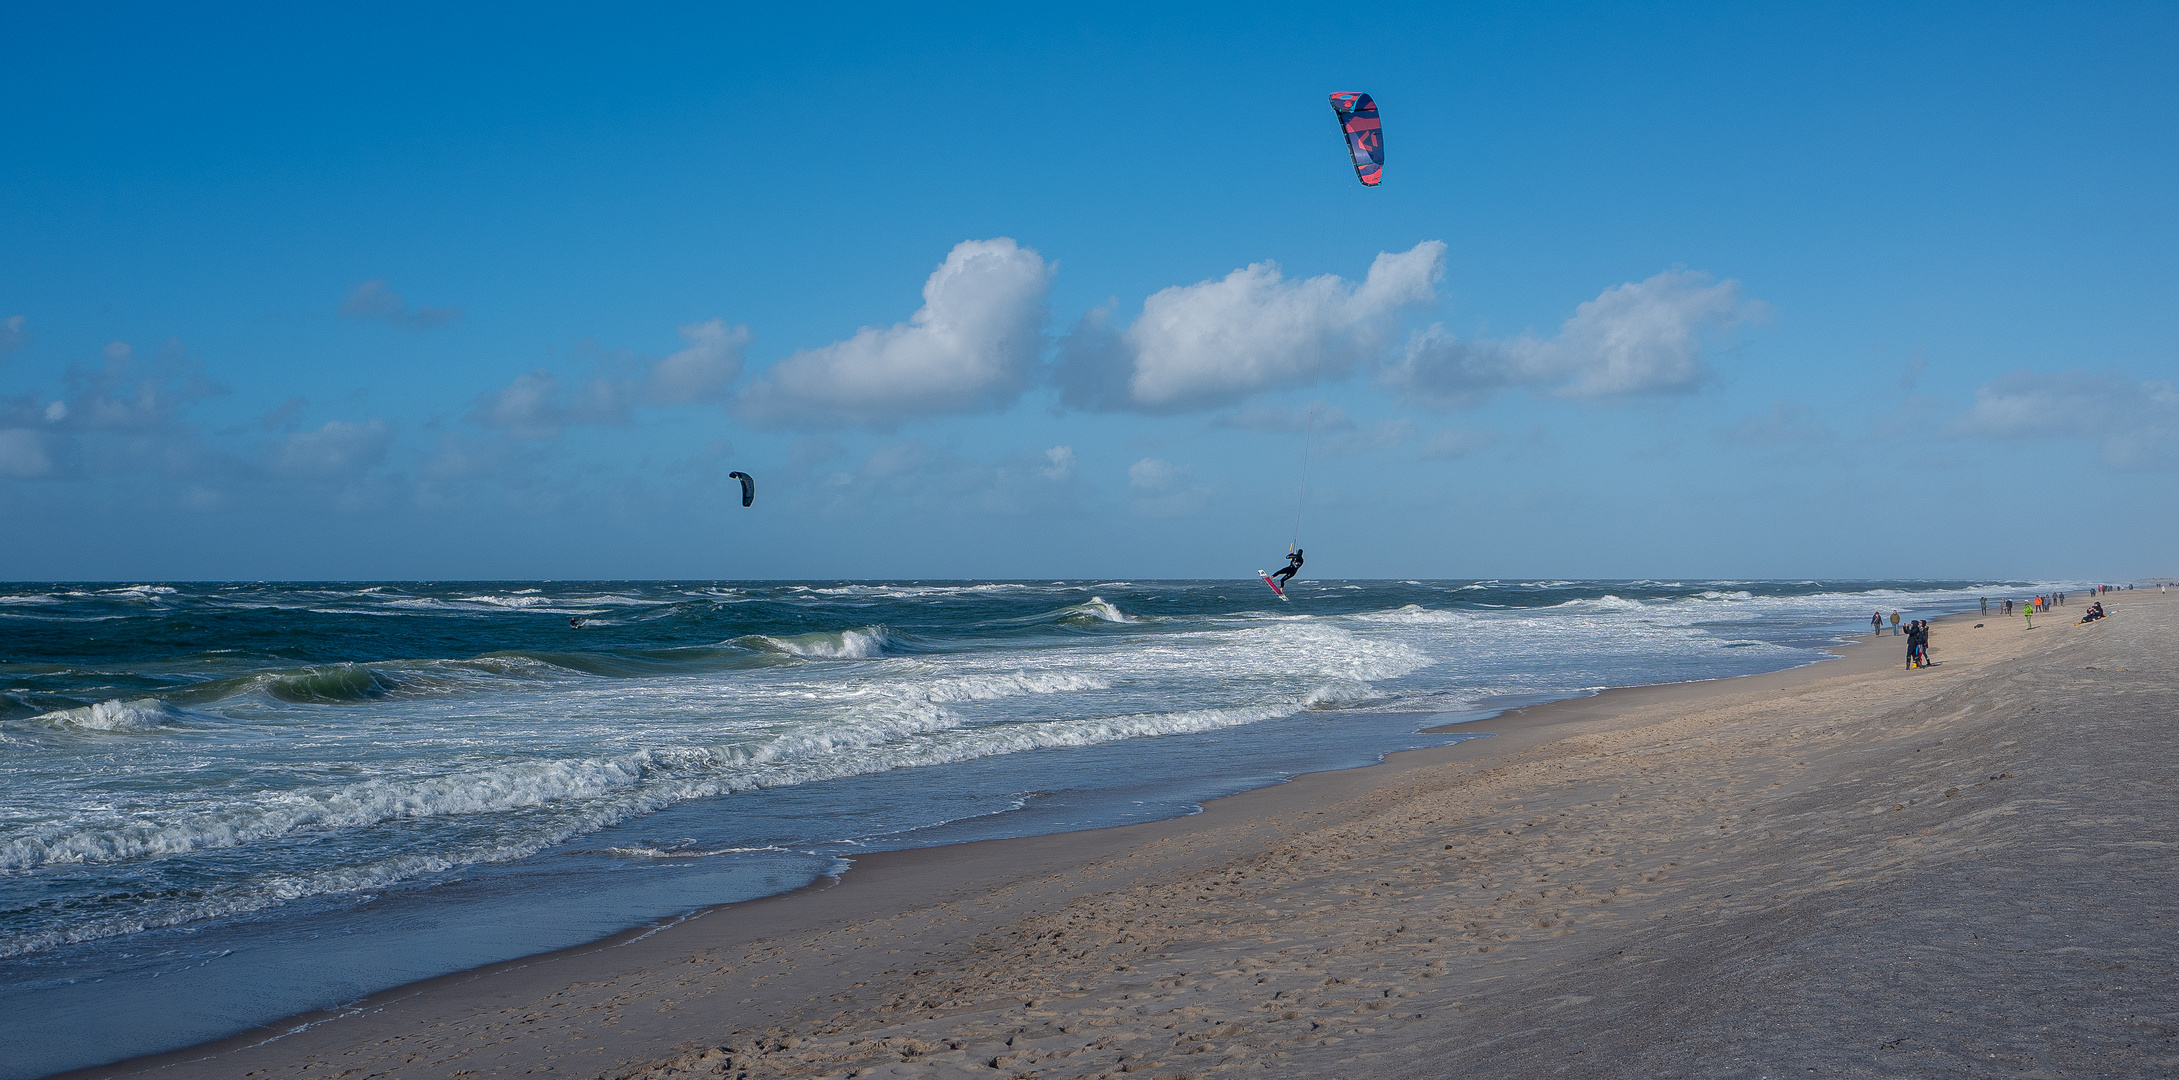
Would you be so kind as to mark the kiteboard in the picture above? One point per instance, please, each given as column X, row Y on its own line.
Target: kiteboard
column 1274, row 585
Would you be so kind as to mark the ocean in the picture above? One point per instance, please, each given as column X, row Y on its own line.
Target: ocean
column 225, row 803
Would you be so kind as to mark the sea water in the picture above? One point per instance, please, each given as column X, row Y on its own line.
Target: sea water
column 222, row 804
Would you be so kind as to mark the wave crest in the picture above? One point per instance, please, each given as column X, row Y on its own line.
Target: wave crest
column 860, row 643
column 139, row 714
column 341, row 682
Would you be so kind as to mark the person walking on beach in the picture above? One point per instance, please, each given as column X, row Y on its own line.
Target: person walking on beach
column 1895, row 623
column 1876, row 622
column 1986, row 606
column 2028, row 612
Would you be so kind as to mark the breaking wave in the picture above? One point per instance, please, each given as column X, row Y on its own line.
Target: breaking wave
column 140, row 714
column 861, row 643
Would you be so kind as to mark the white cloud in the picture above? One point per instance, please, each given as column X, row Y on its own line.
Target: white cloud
column 339, row 448
column 1216, row 342
column 536, row 406
column 14, row 333
column 1643, row 337
column 2134, row 423
column 123, row 395
column 1164, row 489
column 457, row 458
column 969, row 348
column 375, row 301
column 1062, row 463
column 703, row 370
column 118, row 415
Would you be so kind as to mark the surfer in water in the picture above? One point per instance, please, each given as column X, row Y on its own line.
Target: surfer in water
column 1286, row 574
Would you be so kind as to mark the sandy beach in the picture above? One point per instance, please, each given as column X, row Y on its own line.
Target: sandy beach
column 1851, row 869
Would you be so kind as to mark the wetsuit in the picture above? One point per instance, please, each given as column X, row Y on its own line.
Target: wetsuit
column 1293, row 566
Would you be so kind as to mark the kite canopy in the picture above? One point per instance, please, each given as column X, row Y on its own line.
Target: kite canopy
column 1365, row 139
column 748, row 486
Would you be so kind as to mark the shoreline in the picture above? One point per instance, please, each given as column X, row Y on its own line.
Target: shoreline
column 925, row 876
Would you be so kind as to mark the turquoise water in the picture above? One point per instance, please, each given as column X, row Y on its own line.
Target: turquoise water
column 221, row 804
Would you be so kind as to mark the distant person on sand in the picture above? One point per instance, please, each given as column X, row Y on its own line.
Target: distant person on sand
column 1917, row 644
column 1293, row 566
column 1876, row 622
column 2027, row 611
column 1895, row 623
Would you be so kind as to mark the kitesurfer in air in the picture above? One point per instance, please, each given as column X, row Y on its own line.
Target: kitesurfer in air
column 1293, row 566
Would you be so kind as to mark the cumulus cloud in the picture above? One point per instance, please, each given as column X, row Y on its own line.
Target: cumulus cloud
column 2134, row 423
column 540, row 405
column 536, row 405
column 120, row 414
column 1163, row 489
column 1216, row 342
column 704, row 369
column 124, row 394
column 373, row 300
column 340, row 448
column 1643, row 337
column 972, row 346
column 14, row 333
column 1062, row 463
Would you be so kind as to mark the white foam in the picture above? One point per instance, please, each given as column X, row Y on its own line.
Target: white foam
column 857, row 644
column 140, row 714
column 658, row 853
column 1101, row 608
column 499, row 757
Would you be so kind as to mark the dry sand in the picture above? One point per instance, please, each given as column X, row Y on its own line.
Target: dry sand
column 1851, row 869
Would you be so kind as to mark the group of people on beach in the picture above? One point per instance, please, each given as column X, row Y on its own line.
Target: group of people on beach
column 1917, row 634
column 1917, row 630
column 1918, row 644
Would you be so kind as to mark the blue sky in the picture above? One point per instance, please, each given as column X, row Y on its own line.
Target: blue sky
column 996, row 292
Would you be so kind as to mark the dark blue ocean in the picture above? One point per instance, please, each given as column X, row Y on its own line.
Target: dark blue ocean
column 221, row 804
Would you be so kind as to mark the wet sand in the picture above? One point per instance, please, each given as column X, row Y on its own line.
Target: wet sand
column 1849, row 869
